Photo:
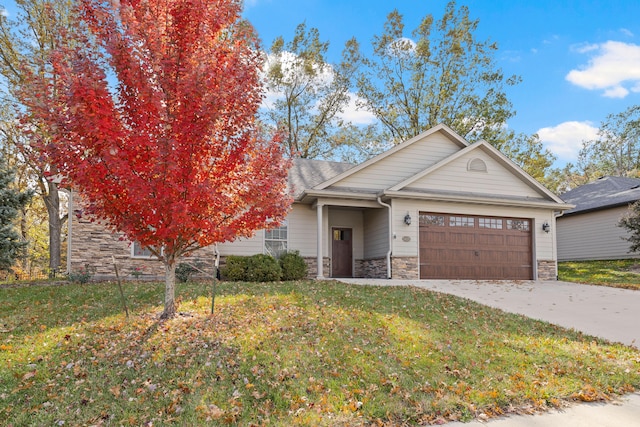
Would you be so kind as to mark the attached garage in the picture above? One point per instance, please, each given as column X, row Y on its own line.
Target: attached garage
column 475, row 247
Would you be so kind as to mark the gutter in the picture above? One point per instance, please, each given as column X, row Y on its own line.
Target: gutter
column 381, row 203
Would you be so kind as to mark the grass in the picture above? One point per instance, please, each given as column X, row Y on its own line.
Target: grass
column 616, row 273
column 293, row 353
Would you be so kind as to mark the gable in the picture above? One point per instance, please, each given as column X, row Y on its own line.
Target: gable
column 475, row 172
column 401, row 162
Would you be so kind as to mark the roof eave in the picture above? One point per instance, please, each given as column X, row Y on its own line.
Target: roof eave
column 477, row 199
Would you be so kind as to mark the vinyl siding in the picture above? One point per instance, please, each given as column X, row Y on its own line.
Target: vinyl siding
column 376, row 233
column 406, row 241
column 593, row 236
column 302, row 235
column 402, row 164
column 497, row 180
column 244, row 246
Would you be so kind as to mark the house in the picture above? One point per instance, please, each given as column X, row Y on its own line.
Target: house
column 432, row 207
column 589, row 231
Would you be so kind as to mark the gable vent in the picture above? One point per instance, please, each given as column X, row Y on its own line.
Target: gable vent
column 477, row 165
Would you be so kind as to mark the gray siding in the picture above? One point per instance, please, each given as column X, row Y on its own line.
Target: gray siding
column 497, row 180
column 593, row 236
column 402, row 164
column 376, row 233
column 303, row 235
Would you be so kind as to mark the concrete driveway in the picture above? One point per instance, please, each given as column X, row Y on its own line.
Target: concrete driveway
column 610, row 313
column 602, row 311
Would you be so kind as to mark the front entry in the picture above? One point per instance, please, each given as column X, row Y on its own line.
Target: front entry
column 342, row 253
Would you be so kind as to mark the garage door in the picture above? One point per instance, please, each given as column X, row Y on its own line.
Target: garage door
column 475, row 247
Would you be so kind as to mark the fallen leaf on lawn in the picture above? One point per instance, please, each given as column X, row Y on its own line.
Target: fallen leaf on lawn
column 29, row 375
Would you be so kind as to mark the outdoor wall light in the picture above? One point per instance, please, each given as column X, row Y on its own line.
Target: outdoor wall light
column 407, row 219
column 546, row 227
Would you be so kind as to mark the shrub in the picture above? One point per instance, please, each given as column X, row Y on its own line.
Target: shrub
column 256, row 268
column 184, row 272
column 235, row 268
column 82, row 275
column 263, row 268
column 293, row 266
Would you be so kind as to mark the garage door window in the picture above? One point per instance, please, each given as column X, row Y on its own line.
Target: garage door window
column 461, row 221
column 437, row 220
column 518, row 224
column 493, row 223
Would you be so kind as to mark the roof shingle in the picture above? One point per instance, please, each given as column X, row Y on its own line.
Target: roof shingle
column 606, row 192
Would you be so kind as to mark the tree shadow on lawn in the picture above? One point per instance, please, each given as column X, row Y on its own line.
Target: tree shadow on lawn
column 307, row 348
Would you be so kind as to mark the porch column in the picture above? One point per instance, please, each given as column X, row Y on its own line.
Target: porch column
column 319, row 248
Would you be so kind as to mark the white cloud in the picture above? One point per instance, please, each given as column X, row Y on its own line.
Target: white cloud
column 616, row 92
column 626, row 32
column 565, row 140
column 614, row 64
column 356, row 115
column 290, row 69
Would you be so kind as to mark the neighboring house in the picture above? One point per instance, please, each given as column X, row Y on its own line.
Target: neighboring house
column 590, row 231
column 433, row 207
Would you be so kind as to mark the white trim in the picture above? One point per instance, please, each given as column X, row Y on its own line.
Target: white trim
column 134, row 256
column 284, row 223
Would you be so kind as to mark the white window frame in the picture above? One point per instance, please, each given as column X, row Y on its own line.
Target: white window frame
column 285, row 226
column 146, row 254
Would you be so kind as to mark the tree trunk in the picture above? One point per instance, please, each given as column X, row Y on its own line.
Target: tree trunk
column 169, row 289
column 52, row 202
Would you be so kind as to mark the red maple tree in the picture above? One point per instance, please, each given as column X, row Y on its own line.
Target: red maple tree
column 153, row 120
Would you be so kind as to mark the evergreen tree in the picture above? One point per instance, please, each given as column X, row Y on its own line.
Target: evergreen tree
column 11, row 202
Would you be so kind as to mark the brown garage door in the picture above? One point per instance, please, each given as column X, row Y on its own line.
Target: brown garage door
column 474, row 247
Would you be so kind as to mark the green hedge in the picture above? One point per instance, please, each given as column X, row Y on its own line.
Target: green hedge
column 265, row 268
column 293, row 266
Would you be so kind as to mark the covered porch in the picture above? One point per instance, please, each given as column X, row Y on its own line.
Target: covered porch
column 353, row 237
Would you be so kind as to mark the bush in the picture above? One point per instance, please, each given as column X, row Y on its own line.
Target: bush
column 263, row 268
column 184, row 272
column 82, row 275
column 293, row 266
column 256, row 268
column 235, row 268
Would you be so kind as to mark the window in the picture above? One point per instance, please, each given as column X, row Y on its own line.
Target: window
column 494, row 223
column 137, row 251
column 518, row 224
column 275, row 240
column 461, row 221
column 437, row 220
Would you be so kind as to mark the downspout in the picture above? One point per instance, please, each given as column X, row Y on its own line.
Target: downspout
column 388, row 206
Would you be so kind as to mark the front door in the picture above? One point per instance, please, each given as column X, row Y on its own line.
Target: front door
column 341, row 253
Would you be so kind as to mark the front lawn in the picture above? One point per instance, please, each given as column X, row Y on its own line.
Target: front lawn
column 293, row 353
column 623, row 273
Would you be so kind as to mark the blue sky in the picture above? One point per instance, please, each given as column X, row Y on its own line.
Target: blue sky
column 579, row 60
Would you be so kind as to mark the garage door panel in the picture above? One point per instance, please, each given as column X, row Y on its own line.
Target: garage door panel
column 465, row 247
column 461, row 238
column 484, row 239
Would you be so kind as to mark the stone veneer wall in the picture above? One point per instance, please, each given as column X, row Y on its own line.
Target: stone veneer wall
column 375, row 268
column 547, row 269
column 312, row 267
column 406, row 268
column 93, row 246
